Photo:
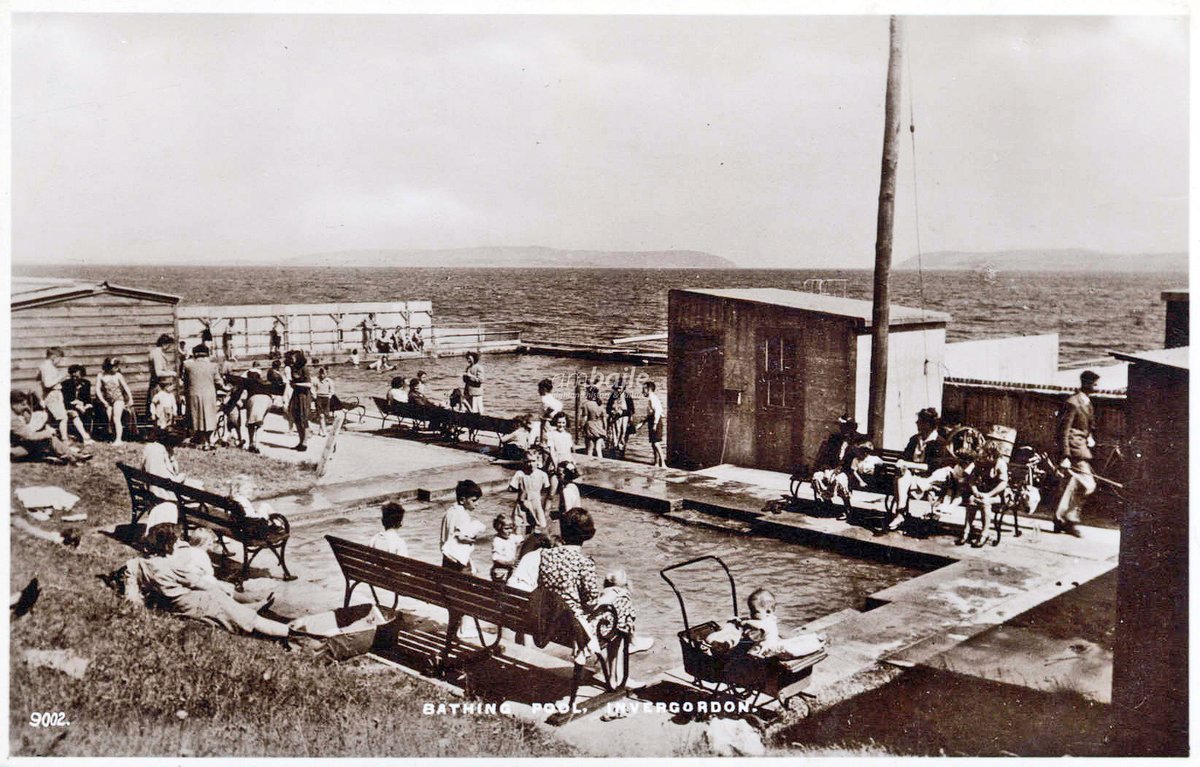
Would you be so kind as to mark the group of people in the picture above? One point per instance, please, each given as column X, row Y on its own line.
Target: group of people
column 399, row 339
column 540, row 558
column 65, row 400
column 974, row 476
column 610, row 424
column 205, row 392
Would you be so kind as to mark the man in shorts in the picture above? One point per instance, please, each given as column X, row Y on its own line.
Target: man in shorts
column 51, row 375
column 655, row 422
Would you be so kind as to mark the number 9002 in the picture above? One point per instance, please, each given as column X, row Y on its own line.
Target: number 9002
column 48, row 719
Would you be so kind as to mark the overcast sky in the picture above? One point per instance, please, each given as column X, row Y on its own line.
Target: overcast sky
column 179, row 138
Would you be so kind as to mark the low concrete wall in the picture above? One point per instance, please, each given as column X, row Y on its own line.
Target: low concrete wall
column 1020, row 358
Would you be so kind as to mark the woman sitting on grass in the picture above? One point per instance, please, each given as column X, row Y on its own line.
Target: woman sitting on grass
column 170, row 580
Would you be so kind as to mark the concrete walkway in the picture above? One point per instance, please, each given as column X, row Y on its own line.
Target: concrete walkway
column 930, row 620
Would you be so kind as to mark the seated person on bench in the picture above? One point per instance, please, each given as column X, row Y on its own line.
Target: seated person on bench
column 398, row 391
column 984, row 488
column 858, row 463
column 833, row 456
column 569, row 574
column 922, row 473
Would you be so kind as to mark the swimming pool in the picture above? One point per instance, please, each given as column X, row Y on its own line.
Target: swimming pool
column 808, row 582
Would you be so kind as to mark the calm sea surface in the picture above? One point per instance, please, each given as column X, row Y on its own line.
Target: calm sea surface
column 1092, row 313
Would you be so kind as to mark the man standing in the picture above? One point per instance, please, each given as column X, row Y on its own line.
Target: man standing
column 655, row 421
column 51, row 376
column 473, row 384
column 1075, row 425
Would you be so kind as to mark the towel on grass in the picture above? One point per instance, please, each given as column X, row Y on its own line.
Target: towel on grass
column 46, row 497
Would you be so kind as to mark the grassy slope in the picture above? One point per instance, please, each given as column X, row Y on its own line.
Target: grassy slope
column 243, row 696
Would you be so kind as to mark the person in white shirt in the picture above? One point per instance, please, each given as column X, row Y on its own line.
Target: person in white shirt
column 51, row 377
column 389, row 539
column 559, row 447
column 551, row 405
column 655, row 422
column 458, row 533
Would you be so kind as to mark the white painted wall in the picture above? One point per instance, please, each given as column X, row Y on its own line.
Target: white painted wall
column 1019, row 359
column 915, row 359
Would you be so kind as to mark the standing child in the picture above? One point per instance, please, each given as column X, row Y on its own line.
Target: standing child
column 559, row 447
column 655, row 422
column 595, row 429
column 504, row 547
column 529, row 483
column 163, row 407
column 457, row 536
column 323, row 390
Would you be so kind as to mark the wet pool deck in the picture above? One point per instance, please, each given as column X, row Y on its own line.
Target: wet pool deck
column 950, row 617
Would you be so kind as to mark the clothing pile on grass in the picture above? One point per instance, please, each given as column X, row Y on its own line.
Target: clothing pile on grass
column 41, row 501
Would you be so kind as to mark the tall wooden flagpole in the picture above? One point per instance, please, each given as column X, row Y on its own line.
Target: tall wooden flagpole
column 880, row 314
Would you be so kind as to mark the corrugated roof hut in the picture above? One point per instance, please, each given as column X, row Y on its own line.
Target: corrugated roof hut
column 90, row 321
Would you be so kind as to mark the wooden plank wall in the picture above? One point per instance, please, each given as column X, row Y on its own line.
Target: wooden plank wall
column 1032, row 413
column 88, row 330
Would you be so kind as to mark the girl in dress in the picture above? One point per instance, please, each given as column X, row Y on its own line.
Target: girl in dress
column 113, row 393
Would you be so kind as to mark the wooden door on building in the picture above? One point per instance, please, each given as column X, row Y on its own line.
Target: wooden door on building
column 779, row 401
column 696, row 406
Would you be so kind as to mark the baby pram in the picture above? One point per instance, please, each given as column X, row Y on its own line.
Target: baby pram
column 734, row 673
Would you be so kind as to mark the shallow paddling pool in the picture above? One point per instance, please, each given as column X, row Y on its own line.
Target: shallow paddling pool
column 808, row 582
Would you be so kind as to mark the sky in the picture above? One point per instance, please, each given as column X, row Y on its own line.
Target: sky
column 193, row 138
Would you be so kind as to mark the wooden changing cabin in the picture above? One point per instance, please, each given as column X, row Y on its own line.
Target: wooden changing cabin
column 90, row 321
column 758, row 377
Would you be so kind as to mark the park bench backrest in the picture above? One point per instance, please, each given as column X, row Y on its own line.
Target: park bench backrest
column 140, row 483
column 489, row 601
column 473, row 421
column 210, row 507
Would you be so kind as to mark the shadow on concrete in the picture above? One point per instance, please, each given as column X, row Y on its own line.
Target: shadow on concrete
column 936, row 713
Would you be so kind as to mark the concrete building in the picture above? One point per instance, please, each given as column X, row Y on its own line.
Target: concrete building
column 90, row 321
column 1178, row 316
column 1150, row 657
column 759, row 377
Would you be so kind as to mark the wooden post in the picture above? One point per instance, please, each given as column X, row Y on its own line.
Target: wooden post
column 339, row 418
column 578, row 407
column 880, row 313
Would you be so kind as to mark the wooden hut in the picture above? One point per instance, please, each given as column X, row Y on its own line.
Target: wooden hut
column 1150, row 653
column 89, row 321
column 758, row 377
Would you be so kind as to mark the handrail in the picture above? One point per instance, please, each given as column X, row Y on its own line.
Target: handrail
column 682, row 607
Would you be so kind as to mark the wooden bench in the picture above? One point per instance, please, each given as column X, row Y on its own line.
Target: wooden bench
column 223, row 515
column 484, row 601
column 444, row 419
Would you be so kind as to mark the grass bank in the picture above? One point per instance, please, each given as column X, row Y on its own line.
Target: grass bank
column 159, row 686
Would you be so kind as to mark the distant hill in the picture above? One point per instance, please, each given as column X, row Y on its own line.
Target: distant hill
column 1051, row 261
column 532, row 256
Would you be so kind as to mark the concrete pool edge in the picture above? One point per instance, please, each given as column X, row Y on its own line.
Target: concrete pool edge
column 963, row 593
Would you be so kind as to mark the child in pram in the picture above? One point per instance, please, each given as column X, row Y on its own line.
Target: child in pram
column 758, row 635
